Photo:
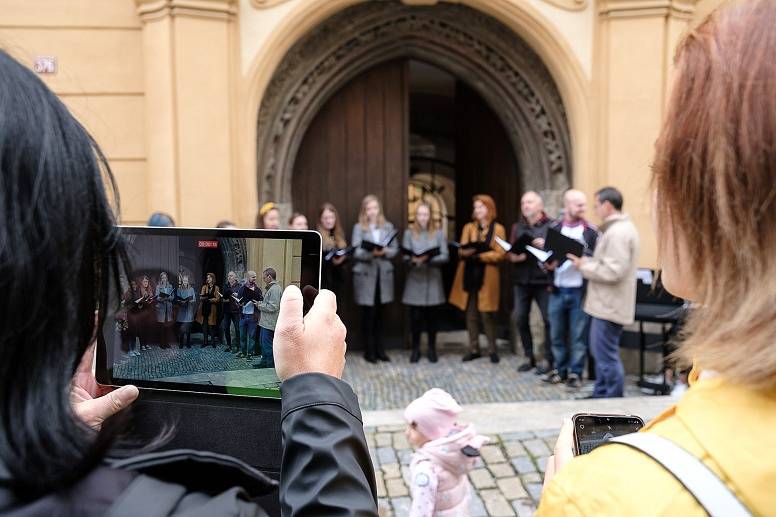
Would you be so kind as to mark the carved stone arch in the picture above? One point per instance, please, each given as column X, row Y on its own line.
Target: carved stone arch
column 476, row 48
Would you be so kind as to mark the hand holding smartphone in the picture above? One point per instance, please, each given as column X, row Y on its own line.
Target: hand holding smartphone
column 591, row 430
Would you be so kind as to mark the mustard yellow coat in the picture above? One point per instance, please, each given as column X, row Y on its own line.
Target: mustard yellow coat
column 731, row 428
column 488, row 295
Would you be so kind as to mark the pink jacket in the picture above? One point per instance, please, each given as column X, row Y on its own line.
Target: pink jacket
column 438, row 473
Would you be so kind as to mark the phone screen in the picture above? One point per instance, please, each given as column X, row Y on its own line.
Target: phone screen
column 591, row 430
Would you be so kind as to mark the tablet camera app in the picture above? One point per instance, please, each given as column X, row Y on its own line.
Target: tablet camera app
column 201, row 311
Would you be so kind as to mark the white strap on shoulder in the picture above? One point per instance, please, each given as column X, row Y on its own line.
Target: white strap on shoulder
column 704, row 485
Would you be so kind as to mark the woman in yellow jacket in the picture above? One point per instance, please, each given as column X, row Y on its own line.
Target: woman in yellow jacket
column 476, row 284
column 714, row 175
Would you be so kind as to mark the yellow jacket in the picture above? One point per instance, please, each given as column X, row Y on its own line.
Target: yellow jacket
column 732, row 429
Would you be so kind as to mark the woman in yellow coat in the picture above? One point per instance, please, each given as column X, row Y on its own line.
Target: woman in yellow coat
column 714, row 209
column 476, row 284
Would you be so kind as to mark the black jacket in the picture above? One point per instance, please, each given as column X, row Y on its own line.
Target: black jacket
column 529, row 272
column 325, row 470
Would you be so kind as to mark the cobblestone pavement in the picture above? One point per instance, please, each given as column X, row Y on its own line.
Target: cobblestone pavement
column 507, row 480
column 197, row 365
column 395, row 384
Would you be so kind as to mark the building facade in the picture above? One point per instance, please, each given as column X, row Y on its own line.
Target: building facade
column 207, row 108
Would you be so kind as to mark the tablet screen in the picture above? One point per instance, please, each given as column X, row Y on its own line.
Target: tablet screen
column 198, row 308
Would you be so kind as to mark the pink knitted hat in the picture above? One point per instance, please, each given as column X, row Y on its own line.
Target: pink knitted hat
column 434, row 413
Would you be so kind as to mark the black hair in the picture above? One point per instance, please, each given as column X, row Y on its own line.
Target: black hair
column 271, row 272
column 161, row 219
column 612, row 195
column 59, row 252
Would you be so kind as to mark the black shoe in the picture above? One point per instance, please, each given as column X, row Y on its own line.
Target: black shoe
column 552, row 378
column 415, row 355
column 228, row 349
column 384, row 357
column 370, row 359
column 494, row 358
column 573, row 382
column 471, row 356
column 526, row 366
column 587, row 397
column 432, row 356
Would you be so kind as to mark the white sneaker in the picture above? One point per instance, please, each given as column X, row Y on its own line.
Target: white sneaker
column 680, row 389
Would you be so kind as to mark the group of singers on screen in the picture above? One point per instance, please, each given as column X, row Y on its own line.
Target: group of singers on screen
column 156, row 313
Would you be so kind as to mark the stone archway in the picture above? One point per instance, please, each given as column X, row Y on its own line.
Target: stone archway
column 490, row 57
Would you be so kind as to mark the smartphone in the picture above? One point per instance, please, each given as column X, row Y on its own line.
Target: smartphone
column 591, row 430
column 187, row 314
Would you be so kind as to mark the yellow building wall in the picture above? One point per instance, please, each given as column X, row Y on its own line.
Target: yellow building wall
column 99, row 76
column 171, row 88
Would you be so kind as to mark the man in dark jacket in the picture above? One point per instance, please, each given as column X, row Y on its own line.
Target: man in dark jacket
column 530, row 282
column 568, row 322
column 325, row 468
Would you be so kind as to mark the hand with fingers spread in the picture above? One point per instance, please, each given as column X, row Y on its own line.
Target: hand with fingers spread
column 92, row 402
column 311, row 344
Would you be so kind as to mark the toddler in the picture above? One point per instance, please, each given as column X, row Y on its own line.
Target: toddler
column 445, row 453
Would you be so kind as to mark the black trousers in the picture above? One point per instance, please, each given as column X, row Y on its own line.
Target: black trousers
column 371, row 325
column 524, row 296
column 424, row 318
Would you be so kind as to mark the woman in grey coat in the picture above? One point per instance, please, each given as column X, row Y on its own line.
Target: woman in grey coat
column 373, row 272
column 425, row 248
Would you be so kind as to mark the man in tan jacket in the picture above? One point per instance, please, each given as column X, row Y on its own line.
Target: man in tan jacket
column 611, row 290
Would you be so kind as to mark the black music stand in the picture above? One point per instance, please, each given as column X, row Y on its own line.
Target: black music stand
column 655, row 305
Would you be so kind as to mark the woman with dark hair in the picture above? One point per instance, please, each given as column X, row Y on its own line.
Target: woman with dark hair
column 425, row 250
column 207, row 315
column 57, row 221
column 334, row 248
column 374, row 240
column 714, row 451
column 298, row 221
column 476, row 283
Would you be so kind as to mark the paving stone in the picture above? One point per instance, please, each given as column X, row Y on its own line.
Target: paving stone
column 492, row 454
column 396, row 488
column 405, row 475
column 501, row 470
column 384, row 508
column 548, row 433
column 391, row 470
column 535, row 447
column 478, row 463
column 401, row 506
column 524, row 507
column 517, row 436
column 477, row 507
column 533, row 477
column 481, row 478
column 541, row 463
column 535, row 489
column 496, row 504
column 405, row 456
column 400, row 441
column 512, row 488
column 383, row 440
column 390, row 428
column 386, row 455
column 551, row 443
column 515, row 449
column 370, row 440
column 523, row 465
column 373, row 457
column 381, row 492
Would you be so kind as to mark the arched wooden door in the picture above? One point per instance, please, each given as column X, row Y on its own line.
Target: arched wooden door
column 357, row 144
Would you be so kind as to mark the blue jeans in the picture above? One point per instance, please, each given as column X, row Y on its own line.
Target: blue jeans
column 265, row 338
column 605, row 345
column 568, row 323
column 247, row 330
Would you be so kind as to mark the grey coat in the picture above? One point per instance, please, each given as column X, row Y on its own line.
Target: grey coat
column 368, row 269
column 424, row 281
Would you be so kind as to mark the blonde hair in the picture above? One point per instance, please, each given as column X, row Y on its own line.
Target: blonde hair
column 432, row 225
column 362, row 219
column 714, row 179
column 339, row 234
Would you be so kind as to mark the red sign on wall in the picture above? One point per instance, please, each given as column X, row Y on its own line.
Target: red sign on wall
column 207, row 244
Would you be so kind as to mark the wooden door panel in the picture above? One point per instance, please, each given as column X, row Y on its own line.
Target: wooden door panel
column 357, row 145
